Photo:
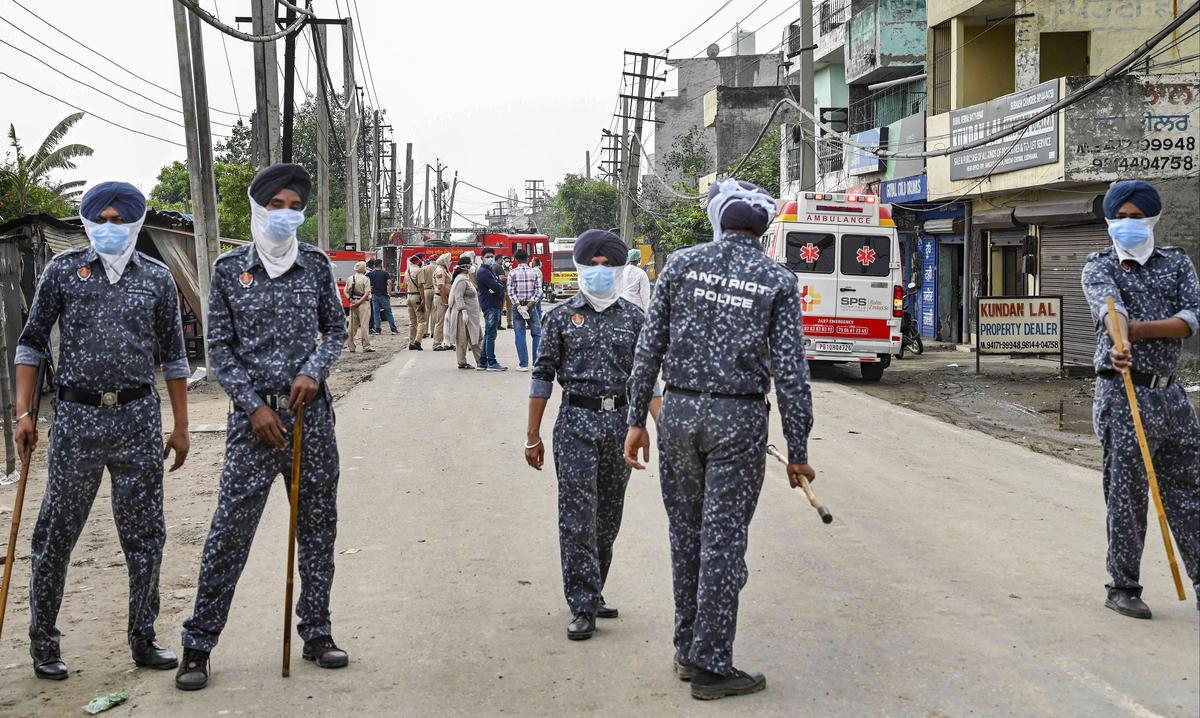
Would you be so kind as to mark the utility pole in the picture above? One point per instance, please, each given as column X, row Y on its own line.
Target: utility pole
column 426, row 195
column 453, row 191
column 439, row 217
column 324, row 125
column 633, row 152
column 408, row 187
column 289, row 85
column 393, row 215
column 266, row 84
column 373, row 220
column 352, row 130
column 587, row 164
column 194, row 92
column 808, row 160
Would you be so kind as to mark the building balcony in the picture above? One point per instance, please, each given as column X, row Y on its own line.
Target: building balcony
column 829, row 21
column 885, row 40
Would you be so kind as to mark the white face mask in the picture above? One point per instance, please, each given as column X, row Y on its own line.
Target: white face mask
column 114, row 262
column 599, row 285
column 1125, row 234
column 276, row 254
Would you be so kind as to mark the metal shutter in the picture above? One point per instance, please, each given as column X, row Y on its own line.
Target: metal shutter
column 1064, row 251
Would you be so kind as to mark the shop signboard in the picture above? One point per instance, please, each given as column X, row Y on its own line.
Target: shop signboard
column 1033, row 146
column 926, row 305
column 1019, row 325
column 906, row 189
column 861, row 162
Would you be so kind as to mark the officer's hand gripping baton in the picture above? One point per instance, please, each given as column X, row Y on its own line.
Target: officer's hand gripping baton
column 1131, row 394
column 804, row 486
column 297, row 434
column 19, row 500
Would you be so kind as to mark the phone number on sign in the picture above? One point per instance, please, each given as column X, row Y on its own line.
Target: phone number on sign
column 1048, row 347
column 1162, row 162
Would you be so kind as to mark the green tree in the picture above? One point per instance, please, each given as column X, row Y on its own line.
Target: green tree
column 689, row 157
column 172, row 189
column 233, row 204
column 238, row 148
column 25, row 181
column 762, row 166
column 583, row 204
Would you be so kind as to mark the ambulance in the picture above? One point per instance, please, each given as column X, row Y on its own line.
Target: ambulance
column 845, row 251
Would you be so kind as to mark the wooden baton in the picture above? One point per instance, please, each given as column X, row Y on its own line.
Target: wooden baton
column 1131, row 394
column 805, row 487
column 294, row 496
column 19, row 499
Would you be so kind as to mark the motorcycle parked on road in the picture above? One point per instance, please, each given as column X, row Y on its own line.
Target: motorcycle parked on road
column 910, row 329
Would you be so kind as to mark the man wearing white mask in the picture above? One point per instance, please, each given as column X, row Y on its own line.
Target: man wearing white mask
column 1157, row 301
column 588, row 344
column 275, row 326
column 116, row 309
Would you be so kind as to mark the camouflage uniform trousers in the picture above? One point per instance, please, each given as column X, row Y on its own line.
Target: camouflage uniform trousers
column 713, row 460
column 251, row 466
column 592, row 475
column 1173, row 434
column 84, row 440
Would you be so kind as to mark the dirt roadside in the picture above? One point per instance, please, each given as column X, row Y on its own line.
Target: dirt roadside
column 1022, row 401
column 94, row 644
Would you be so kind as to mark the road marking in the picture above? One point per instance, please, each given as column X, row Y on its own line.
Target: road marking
column 1114, row 697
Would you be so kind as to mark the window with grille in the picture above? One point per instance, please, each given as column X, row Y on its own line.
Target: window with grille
column 939, row 78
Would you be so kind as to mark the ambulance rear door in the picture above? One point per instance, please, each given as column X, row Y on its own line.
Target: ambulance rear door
column 811, row 252
column 865, row 285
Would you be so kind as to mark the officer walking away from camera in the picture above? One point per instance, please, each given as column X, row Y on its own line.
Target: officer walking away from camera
column 723, row 322
column 275, row 328
column 1157, row 302
column 588, row 343
column 117, row 310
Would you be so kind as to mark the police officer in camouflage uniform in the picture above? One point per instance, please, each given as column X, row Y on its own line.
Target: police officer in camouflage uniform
column 588, row 343
column 1157, row 305
column 118, row 316
column 275, row 328
column 723, row 321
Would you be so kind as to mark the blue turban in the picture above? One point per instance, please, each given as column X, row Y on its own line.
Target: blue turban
column 121, row 196
column 271, row 180
column 600, row 242
column 1142, row 194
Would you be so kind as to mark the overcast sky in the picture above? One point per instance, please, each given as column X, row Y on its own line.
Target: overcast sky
column 501, row 92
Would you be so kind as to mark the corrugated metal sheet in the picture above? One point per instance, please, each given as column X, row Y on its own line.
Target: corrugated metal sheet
column 61, row 240
column 1064, row 251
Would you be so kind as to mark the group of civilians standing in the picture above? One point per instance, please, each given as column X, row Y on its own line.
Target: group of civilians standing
column 469, row 303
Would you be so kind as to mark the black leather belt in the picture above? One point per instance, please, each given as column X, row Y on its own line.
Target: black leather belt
column 715, row 394
column 103, row 398
column 1152, row 381
column 597, row 403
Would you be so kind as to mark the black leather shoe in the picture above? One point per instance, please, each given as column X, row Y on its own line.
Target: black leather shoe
column 149, row 654
column 1127, row 602
column 582, row 627
column 51, row 668
column 606, row 611
column 711, row 686
column 683, row 670
column 193, row 672
column 325, row 652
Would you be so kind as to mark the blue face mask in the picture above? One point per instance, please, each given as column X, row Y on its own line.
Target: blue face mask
column 283, row 223
column 1130, row 232
column 109, row 238
column 598, row 278
column 489, row 261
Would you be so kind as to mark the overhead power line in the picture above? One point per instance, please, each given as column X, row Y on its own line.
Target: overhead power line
column 112, row 62
column 494, row 194
column 208, row 17
column 693, row 30
column 93, row 114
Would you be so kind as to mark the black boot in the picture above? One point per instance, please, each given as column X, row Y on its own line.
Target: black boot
column 1127, row 602
column 711, row 686
column 193, row 672
column 682, row 669
column 50, row 667
column 582, row 627
column 325, row 653
column 603, row 610
column 148, row 654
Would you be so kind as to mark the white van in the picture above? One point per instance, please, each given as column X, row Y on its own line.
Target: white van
column 845, row 251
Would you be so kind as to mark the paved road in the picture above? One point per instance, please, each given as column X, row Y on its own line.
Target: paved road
column 963, row 576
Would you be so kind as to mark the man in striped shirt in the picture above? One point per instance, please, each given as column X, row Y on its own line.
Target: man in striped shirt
column 525, row 295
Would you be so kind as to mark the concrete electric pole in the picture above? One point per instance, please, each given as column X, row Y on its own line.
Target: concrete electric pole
column 266, row 85
column 352, row 129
